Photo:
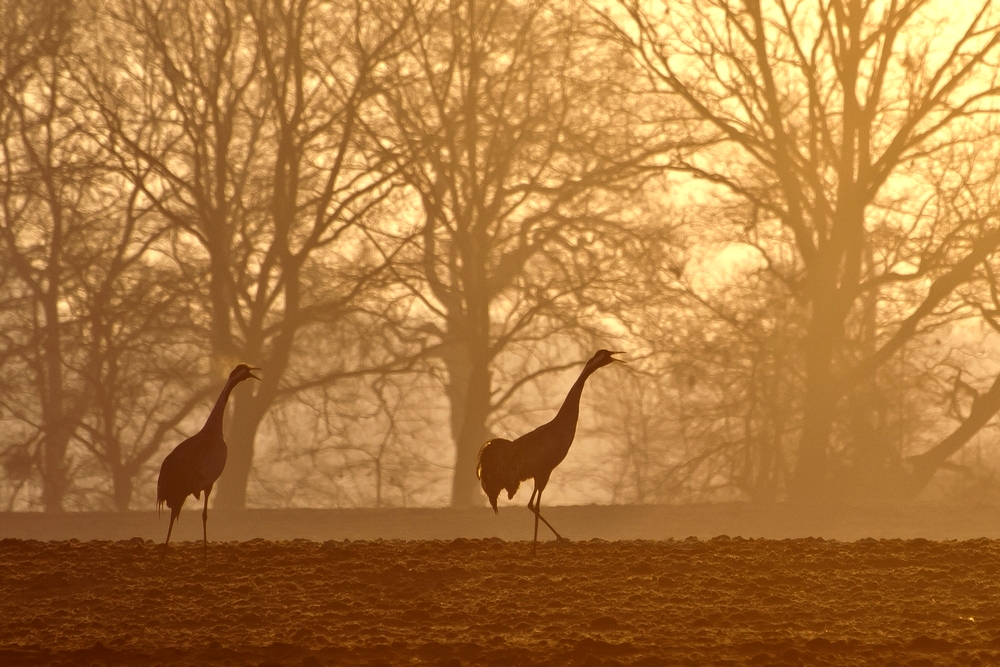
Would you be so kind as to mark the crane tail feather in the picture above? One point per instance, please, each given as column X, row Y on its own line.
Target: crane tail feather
column 498, row 467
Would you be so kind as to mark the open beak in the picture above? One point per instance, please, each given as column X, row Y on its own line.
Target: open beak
column 621, row 360
column 254, row 376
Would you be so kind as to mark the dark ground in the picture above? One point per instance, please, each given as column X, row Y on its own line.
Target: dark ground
column 440, row 598
column 488, row 602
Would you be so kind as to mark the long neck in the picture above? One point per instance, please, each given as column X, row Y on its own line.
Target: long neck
column 570, row 410
column 214, row 421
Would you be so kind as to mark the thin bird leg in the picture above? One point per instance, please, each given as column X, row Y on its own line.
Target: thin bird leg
column 554, row 532
column 537, row 509
column 169, row 529
column 534, row 540
column 535, row 505
column 204, row 524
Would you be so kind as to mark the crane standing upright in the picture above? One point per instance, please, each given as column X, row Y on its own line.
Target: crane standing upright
column 195, row 464
column 504, row 464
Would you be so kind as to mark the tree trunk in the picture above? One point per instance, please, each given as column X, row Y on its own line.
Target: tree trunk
column 54, row 480
column 833, row 282
column 121, row 478
column 468, row 390
column 54, row 417
column 809, row 482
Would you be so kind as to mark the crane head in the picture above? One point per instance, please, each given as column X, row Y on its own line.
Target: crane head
column 243, row 372
column 603, row 358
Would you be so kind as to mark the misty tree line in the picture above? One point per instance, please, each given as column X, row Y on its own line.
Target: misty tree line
column 420, row 216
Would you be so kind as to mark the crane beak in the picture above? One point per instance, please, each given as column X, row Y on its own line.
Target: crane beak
column 254, row 376
column 619, row 360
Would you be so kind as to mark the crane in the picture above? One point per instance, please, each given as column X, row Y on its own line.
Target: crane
column 504, row 464
column 195, row 464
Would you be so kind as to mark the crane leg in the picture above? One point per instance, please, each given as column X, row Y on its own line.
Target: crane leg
column 534, row 540
column 535, row 505
column 173, row 515
column 204, row 524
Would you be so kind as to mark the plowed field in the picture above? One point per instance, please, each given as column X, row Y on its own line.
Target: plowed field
column 489, row 602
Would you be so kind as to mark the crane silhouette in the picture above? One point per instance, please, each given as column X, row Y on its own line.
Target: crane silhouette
column 195, row 464
column 504, row 464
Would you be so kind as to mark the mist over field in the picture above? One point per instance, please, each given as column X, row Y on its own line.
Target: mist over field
column 421, row 219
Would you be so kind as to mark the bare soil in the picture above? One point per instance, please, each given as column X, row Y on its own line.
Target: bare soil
column 804, row 601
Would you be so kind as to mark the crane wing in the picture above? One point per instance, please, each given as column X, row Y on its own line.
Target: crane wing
column 180, row 473
column 500, row 465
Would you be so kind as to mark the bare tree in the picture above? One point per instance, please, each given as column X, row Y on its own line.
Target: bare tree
column 31, row 33
column 862, row 138
column 368, row 442
column 46, row 186
column 512, row 130
column 245, row 113
column 92, row 332
column 142, row 363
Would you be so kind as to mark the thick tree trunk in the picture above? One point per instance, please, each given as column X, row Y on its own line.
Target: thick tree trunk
column 469, row 384
column 833, row 283
column 809, row 481
column 121, row 478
